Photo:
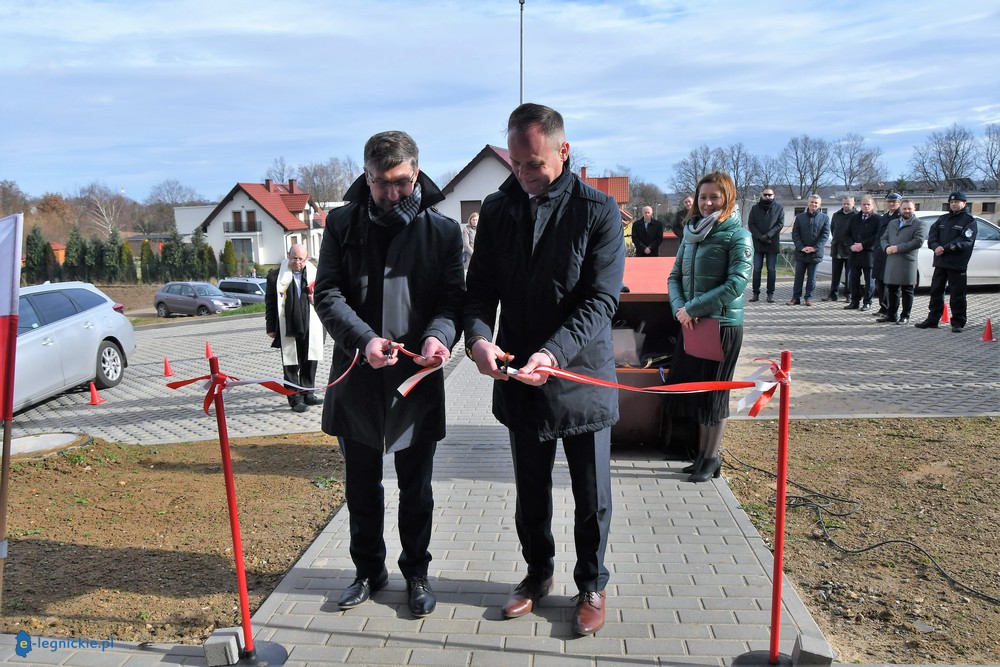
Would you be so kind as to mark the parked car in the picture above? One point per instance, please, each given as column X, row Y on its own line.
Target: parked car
column 247, row 290
column 984, row 266
column 192, row 298
column 68, row 334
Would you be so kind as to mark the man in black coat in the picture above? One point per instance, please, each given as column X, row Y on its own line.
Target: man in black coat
column 840, row 252
column 951, row 237
column 555, row 264
column 390, row 272
column 647, row 234
column 890, row 217
column 861, row 239
column 677, row 226
column 767, row 218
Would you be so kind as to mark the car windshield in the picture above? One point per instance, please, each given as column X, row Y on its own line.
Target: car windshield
column 208, row 290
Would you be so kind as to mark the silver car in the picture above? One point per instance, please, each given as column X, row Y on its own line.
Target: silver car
column 192, row 298
column 67, row 335
column 984, row 265
column 247, row 290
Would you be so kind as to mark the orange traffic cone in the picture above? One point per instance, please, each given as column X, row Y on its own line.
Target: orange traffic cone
column 945, row 316
column 95, row 398
column 208, row 350
column 167, row 371
column 988, row 333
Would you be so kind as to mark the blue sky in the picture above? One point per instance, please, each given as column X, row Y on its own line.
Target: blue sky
column 210, row 92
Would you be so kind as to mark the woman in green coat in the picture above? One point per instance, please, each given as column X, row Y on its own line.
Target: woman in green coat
column 711, row 272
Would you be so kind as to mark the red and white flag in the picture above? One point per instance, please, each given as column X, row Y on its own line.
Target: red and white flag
column 10, row 282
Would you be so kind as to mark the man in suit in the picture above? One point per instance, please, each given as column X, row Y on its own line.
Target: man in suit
column 890, row 217
column 901, row 240
column 840, row 253
column 554, row 267
column 647, row 234
column 860, row 238
column 767, row 217
column 810, row 231
column 290, row 320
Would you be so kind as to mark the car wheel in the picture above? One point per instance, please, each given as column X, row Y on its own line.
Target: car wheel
column 110, row 365
column 203, row 310
column 162, row 310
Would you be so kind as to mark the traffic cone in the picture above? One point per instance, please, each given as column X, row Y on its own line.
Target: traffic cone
column 209, row 355
column 945, row 316
column 988, row 333
column 95, row 398
column 167, row 371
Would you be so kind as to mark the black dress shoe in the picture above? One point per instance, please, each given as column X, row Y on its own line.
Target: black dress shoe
column 362, row 589
column 926, row 324
column 903, row 320
column 830, row 297
column 884, row 319
column 300, row 406
column 865, row 307
column 422, row 601
column 755, row 298
column 956, row 328
column 770, row 299
column 851, row 306
column 312, row 399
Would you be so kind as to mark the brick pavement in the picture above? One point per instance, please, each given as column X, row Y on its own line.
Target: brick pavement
column 690, row 575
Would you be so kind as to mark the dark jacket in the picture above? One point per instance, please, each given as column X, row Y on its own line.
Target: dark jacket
column 878, row 261
column 557, row 285
column 421, row 297
column 839, row 223
column 956, row 233
column 677, row 225
column 644, row 238
column 865, row 232
column 767, row 218
column 901, row 267
column 709, row 277
column 810, row 230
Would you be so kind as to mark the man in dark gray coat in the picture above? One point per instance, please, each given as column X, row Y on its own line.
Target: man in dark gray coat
column 900, row 241
column 767, row 218
column 390, row 272
column 554, row 266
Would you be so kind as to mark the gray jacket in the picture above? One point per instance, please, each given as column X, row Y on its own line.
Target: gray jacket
column 901, row 267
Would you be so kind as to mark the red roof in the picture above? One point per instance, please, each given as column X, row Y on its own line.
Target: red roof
column 281, row 201
column 616, row 186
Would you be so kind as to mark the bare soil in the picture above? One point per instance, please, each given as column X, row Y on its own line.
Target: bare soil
column 134, row 541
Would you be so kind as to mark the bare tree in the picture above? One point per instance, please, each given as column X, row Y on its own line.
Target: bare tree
column 769, row 170
column 945, row 157
column 173, row 193
column 578, row 160
column 989, row 155
column 855, row 164
column 690, row 169
column 743, row 168
column 279, row 171
column 103, row 208
column 328, row 181
column 806, row 164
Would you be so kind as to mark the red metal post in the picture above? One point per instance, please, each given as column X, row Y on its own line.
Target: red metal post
column 779, row 507
column 234, row 517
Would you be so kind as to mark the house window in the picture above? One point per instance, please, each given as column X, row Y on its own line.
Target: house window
column 916, row 206
column 244, row 255
column 252, row 224
column 989, row 207
column 944, row 206
column 468, row 208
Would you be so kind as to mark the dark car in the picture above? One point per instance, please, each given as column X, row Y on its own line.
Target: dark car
column 67, row 335
column 247, row 290
column 192, row 298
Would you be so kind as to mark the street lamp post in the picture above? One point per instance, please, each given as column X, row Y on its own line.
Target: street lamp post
column 521, row 99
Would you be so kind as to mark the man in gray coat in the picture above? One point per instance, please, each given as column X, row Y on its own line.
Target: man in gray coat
column 555, row 264
column 390, row 272
column 901, row 240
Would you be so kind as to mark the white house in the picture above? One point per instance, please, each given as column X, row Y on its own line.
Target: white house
column 465, row 193
column 263, row 220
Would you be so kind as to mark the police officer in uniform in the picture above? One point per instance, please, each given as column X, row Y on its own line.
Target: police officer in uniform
column 951, row 237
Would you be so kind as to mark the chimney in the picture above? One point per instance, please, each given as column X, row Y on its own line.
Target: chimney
column 291, row 185
column 583, row 172
column 267, row 184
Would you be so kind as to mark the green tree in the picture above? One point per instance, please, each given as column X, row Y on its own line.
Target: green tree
column 126, row 262
column 75, row 264
column 111, row 251
column 211, row 264
column 172, row 259
column 35, row 265
column 94, row 256
column 197, row 268
column 148, row 264
column 229, row 258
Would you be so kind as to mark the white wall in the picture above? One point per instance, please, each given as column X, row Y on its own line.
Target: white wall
column 269, row 244
column 186, row 218
column 482, row 181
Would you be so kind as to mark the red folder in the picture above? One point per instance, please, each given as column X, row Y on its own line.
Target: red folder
column 704, row 341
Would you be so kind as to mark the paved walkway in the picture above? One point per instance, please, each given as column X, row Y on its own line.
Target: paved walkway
column 690, row 575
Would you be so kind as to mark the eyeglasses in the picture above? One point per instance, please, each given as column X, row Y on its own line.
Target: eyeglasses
column 400, row 183
column 768, row 194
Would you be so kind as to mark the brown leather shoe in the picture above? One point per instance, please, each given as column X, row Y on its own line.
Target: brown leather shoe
column 526, row 596
column 589, row 616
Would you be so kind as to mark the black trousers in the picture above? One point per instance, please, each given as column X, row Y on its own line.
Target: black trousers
column 303, row 373
column 589, row 459
column 894, row 300
column 838, row 265
column 861, row 292
column 366, row 506
column 957, row 281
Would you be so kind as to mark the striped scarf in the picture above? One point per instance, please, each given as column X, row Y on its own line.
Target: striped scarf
column 401, row 214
